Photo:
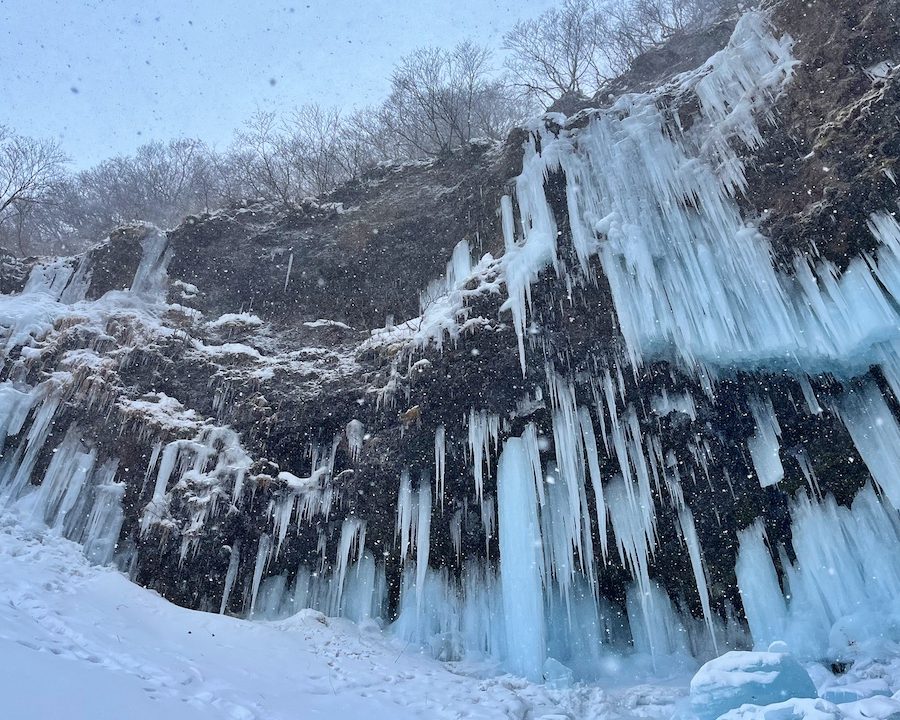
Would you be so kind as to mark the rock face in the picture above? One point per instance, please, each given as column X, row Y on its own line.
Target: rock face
column 635, row 367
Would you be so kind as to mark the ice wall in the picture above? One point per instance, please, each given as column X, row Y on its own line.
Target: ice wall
column 691, row 279
column 842, row 586
column 576, row 499
column 77, row 493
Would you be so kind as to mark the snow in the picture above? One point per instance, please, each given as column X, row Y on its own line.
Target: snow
column 82, row 642
column 226, row 350
column 235, row 320
column 821, row 709
column 747, row 678
column 443, row 305
column 161, row 412
column 326, row 323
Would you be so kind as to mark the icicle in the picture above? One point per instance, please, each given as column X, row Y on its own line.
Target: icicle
column 809, row 396
column 65, row 478
column 593, row 461
column 440, row 452
column 456, row 534
column 631, row 517
column 407, row 516
column 154, row 458
column 23, row 461
column 521, row 561
column 806, row 468
column 761, row 595
column 423, row 539
column 263, row 551
column 487, row 522
column 287, row 275
column 484, row 430
column 231, row 574
column 570, row 515
column 150, row 278
column 353, row 536
column 363, row 594
column 876, row 435
column 355, row 432
column 655, row 627
column 100, row 536
column 764, row 445
column 664, row 404
column 458, row 271
column 689, row 533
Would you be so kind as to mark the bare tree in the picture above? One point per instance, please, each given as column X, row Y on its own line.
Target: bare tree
column 559, row 52
column 313, row 136
column 576, row 48
column 366, row 140
column 284, row 160
column 442, row 99
column 632, row 27
column 162, row 183
column 30, row 170
column 261, row 159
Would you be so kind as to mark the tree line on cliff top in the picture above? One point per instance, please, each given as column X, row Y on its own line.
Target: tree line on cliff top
column 440, row 99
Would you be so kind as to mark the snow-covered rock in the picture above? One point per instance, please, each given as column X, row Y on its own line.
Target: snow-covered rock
column 793, row 709
column 873, row 708
column 748, row 678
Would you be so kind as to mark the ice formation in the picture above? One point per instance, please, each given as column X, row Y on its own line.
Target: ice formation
column 652, row 204
column 747, row 678
column 522, row 569
column 838, row 589
column 764, row 444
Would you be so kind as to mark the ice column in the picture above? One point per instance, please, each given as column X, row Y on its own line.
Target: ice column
column 761, row 595
column 521, row 558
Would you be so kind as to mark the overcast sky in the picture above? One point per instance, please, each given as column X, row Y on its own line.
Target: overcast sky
column 104, row 76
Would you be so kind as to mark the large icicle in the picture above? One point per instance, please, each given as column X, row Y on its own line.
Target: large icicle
column 843, row 584
column 440, row 462
column 521, row 560
column 484, row 431
column 765, row 443
column 353, row 537
column 407, row 516
column 876, row 435
column 689, row 533
column 234, row 562
column 761, row 595
column 423, row 534
column 263, row 552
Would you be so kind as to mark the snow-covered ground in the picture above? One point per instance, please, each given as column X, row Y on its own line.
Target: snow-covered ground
column 81, row 642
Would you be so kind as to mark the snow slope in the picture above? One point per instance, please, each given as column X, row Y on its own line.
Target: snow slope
column 82, row 642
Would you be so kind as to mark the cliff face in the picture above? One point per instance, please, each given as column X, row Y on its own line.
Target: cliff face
column 604, row 388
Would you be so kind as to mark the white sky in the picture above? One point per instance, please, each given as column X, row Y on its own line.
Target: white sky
column 104, row 76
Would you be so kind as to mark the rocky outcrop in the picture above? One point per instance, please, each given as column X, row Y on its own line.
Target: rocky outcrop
column 680, row 304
